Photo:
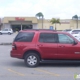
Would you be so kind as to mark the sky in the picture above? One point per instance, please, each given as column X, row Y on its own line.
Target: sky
column 63, row 9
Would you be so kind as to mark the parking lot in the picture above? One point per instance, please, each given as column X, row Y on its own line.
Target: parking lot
column 5, row 38
column 14, row 69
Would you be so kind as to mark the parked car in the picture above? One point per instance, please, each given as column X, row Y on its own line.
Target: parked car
column 75, row 33
column 35, row 46
column 6, row 31
column 67, row 30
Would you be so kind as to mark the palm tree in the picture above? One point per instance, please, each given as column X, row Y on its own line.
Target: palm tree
column 40, row 15
column 75, row 17
column 55, row 21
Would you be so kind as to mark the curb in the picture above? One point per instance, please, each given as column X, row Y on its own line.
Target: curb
column 5, row 43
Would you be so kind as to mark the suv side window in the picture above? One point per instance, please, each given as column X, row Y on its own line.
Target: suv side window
column 24, row 37
column 63, row 38
column 48, row 37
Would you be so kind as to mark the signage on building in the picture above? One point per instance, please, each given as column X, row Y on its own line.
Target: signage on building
column 19, row 19
column 51, row 27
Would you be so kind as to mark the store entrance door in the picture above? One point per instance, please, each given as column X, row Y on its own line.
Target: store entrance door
column 21, row 27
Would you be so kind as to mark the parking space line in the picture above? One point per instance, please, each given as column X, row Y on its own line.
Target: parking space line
column 47, row 72
column 39, row 70
column 16, row 72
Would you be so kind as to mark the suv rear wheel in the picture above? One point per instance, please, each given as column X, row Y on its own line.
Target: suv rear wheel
column 32, row 59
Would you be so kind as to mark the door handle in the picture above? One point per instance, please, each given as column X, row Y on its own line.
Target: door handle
column 61, row 46
column 39, row 45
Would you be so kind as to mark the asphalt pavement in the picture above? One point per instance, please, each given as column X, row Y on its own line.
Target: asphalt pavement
column 15, row 69
column 5, row 38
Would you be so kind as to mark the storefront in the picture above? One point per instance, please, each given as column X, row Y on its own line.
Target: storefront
column 20, row 23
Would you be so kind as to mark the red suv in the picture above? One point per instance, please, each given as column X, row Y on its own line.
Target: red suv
column 35, row 46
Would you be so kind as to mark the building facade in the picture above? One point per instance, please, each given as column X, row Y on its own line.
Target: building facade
column 19, row 23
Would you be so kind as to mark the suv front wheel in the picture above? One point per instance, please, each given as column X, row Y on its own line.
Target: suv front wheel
column 32, row 59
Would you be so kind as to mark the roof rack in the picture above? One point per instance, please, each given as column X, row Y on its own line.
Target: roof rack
column 39, row 29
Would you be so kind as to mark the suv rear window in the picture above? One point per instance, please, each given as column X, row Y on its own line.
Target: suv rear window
column 24, row 37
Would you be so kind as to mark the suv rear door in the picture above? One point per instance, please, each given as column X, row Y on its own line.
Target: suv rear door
column 23, row 40
column 66, row 48
column 47, row 44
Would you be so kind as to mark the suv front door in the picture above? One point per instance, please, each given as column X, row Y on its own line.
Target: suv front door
column 47, row 44
column 66, row 48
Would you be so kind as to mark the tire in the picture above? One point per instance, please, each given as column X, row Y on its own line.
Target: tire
column 32, row 60
column 9, row 33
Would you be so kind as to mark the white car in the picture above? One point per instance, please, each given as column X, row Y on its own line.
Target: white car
column 75, row 33
column 67, row 30
column 6, row 31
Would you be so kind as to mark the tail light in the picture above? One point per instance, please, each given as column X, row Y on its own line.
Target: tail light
column 14, row 46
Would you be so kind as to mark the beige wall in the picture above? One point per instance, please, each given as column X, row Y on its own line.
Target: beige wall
column 73, row 24
column 65, row 24
column 47, row 24
column 58, row 26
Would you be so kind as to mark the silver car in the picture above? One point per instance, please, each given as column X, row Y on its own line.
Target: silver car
column 6, row 31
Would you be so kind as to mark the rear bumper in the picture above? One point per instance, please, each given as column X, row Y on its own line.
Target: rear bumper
column 14, row 54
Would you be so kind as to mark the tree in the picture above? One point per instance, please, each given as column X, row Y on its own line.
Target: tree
column 75, row 17
column 40, row 15
column 54, row 21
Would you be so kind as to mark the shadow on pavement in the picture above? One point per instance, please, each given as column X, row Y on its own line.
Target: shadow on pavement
column 22, row 64
column 59, row 65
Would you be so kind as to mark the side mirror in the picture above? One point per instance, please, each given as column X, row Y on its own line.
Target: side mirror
column 74, row 42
